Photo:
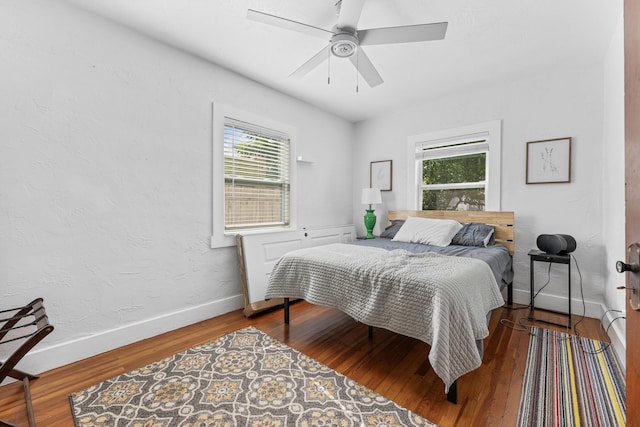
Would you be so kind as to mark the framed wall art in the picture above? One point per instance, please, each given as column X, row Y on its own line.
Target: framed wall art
column 549, row 161
column 380, row 175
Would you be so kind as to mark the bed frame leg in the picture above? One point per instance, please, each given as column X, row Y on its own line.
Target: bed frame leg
column 370, row 332
column 286, row 311
column 452, row 395
column 510, row 294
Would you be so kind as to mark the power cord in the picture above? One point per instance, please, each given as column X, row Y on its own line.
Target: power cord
column 536, row 294
column 602, row 348
column 584, row 310
column 523, row 325
column 516, row 326
column 522, row 307
column 547, row 282
column 584, row 306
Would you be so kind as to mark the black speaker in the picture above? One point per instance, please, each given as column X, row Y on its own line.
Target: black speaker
column 557, row 244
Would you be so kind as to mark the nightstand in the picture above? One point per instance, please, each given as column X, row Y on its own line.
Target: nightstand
column 536, row 255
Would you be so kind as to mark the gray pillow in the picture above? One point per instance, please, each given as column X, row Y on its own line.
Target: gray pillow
column 475, row 234
column 390, row 231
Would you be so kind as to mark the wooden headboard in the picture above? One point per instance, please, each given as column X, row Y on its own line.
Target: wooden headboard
column 502, row 221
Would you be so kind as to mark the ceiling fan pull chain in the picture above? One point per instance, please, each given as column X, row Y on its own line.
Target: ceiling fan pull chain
column 357, row 69
column 329, row 67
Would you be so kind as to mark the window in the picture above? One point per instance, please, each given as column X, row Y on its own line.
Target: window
column 253, row 175
column 453, row 175
column 256, row 176
column 457, row 169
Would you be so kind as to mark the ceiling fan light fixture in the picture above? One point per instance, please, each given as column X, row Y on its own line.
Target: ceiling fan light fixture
column 344, row 45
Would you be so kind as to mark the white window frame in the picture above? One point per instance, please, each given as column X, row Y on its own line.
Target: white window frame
column 490, row 131
column 219, row 237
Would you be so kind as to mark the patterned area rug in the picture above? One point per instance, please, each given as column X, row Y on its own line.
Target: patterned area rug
column 571, row 381
column 245, row 378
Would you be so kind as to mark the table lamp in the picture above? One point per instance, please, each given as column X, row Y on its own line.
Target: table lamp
column 370, row 196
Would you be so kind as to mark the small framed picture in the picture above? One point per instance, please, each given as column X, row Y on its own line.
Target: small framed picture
column 549, row 161
column 380, row 175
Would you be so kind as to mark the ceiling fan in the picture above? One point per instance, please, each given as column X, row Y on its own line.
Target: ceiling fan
column 346, row 40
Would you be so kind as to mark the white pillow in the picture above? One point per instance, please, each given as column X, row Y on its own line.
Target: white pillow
column 436, row 232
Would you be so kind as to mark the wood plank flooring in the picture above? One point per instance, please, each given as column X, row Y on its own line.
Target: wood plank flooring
column 393, row 365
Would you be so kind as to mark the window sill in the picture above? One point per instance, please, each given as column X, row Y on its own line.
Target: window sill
column 229, row 238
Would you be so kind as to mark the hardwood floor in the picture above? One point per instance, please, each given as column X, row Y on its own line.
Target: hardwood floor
column 391, row 364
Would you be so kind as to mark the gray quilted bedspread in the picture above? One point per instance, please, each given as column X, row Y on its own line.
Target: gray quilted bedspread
column 441, row 300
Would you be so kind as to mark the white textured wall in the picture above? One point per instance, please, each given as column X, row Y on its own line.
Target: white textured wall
column 105, row 177
column 613, row 198
column 550, row 103
column 613, row 173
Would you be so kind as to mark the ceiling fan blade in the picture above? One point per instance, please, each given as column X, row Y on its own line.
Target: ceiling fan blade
column 312, row 63
column 350, row 11
column 288, row 24
column 404, row 34
column 366, row 69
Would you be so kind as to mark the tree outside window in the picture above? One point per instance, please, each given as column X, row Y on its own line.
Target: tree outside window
column 454, row 182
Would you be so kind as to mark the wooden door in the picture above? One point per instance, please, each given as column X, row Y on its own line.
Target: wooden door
column 632, row 190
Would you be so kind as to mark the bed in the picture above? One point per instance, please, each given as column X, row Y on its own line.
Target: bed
column 411, row 281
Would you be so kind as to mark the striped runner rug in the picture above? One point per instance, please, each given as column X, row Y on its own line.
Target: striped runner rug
column 571, row 381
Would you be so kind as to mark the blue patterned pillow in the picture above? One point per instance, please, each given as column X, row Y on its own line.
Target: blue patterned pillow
column 475, row 234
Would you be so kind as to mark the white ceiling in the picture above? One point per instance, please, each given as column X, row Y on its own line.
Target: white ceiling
column 486, row 40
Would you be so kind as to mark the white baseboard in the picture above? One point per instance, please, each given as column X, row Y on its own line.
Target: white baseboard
column 617, row 332
column 560, row 304
column 47, row 358
column 594, row 309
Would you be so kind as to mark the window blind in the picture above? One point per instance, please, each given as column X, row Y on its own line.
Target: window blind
column 256, row 171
